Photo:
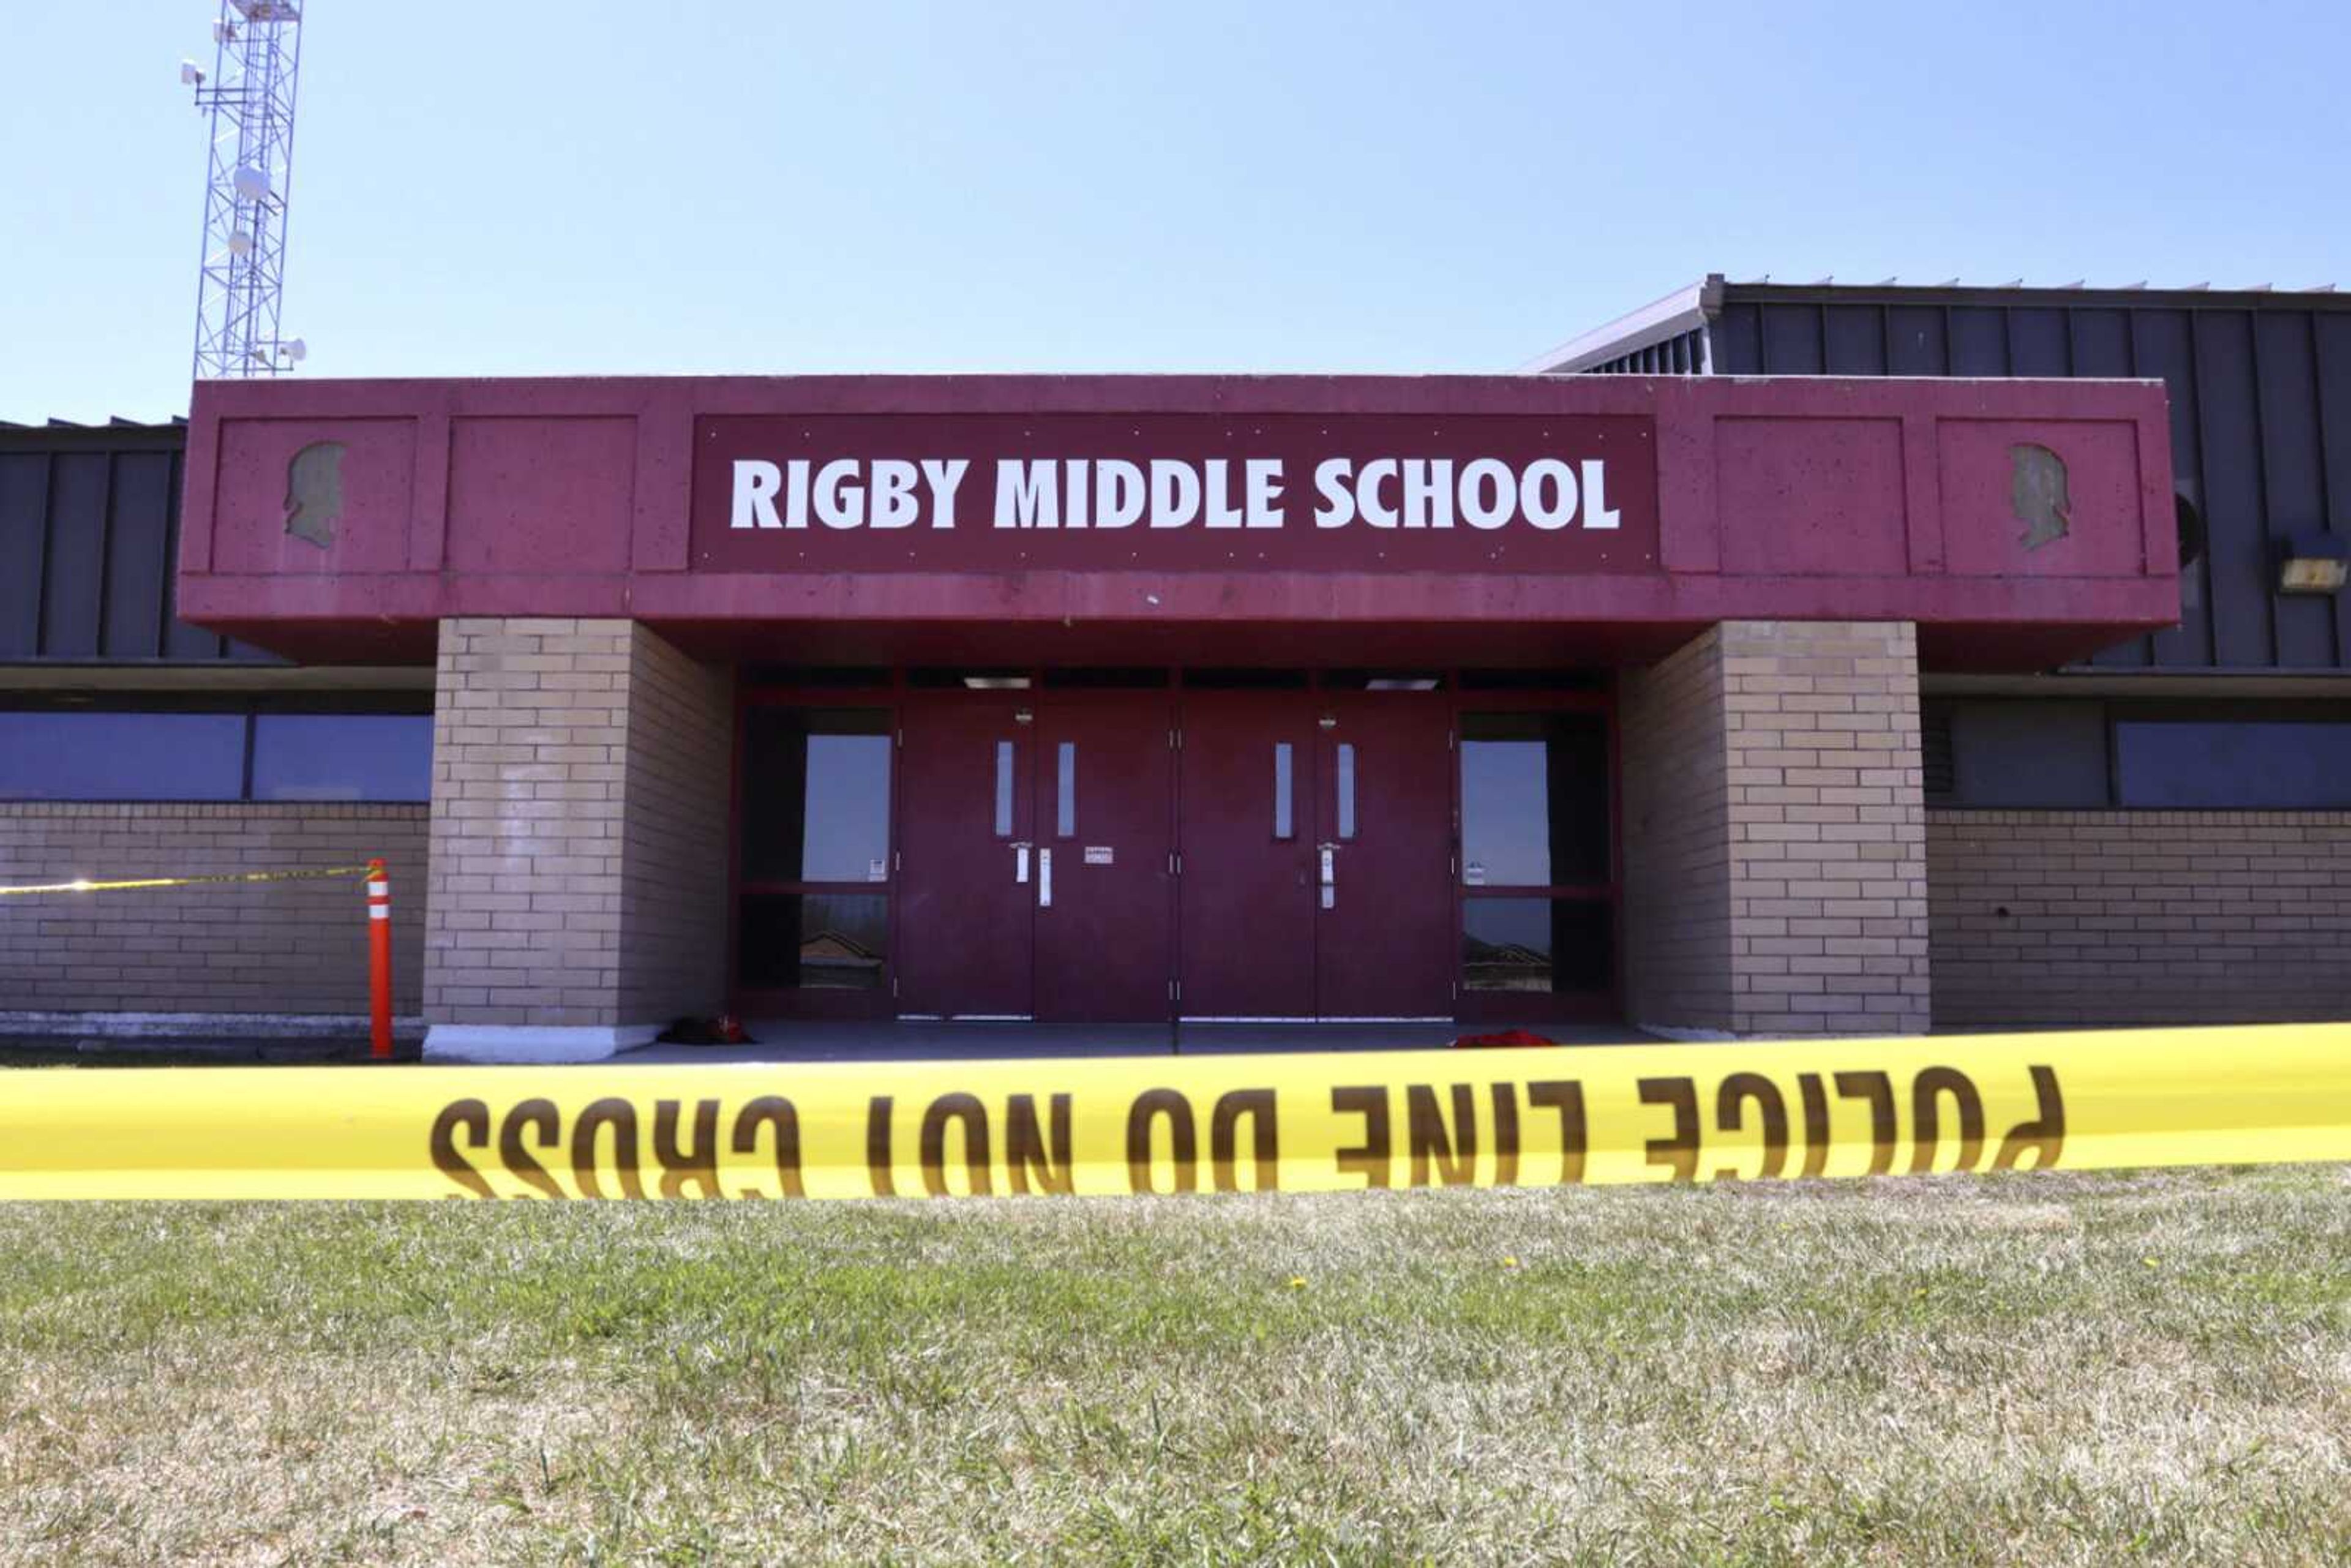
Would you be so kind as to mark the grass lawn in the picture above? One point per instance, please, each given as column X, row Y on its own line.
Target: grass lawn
column 2026, row 1369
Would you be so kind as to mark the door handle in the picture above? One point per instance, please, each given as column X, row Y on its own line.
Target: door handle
column 1330, row 853
column 1020, row 864
column 1045, row 879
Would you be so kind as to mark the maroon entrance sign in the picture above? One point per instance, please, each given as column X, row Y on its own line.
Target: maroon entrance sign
column 856, row 520
column 1075, row 492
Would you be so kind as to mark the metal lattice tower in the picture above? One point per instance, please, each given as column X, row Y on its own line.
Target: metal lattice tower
column 258, row 49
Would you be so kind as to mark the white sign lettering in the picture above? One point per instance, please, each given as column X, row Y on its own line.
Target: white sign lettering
column 1047, row 494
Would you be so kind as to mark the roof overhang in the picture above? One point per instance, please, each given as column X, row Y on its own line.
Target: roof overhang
column 342, row 520
column 1660, row 321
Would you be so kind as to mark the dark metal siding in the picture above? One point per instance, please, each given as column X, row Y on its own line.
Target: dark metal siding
column 1684, row 355
column 90, row 539
column 2259, row 387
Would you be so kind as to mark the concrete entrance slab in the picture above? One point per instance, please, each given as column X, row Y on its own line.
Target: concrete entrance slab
column 800, row 1039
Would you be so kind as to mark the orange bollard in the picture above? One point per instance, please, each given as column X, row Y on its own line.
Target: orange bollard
column 379, row 889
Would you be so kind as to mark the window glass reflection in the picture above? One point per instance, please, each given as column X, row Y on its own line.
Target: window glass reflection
column 1534, row 799
column 1283, row 824
column 1065, row 791
column 121, row 756
column 816, row 795
column 343, row 756
column 1003, row 788
column 1537, row 944
column 821, row 941
column 845, row 834
column 2280, row 765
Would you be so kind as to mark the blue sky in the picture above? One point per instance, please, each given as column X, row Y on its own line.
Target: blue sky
column 539, row 188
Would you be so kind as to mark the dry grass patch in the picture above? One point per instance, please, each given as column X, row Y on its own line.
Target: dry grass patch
column 2041, row 1370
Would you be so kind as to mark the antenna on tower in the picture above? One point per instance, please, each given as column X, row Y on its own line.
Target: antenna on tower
column 256, row 51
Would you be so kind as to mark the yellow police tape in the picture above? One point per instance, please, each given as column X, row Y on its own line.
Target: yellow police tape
column 84, row 884
column 1161, row 1125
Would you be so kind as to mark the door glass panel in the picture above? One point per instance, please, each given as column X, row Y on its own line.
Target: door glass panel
column 1065, row 793
column 1346, row 789
column 816, row 795
column 1283, row 827
column 1534, row 799
column 1542, row 680
column 1107, row 679
column 820, row 941
column 1003, row 788
column 845, row 835
column 1246, row 680
column 1381, row 680
column 1546, row 944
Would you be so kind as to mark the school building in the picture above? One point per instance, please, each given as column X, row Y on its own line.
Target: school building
column 1772, row 660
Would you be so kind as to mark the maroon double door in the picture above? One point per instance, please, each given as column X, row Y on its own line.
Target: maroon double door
column 1098, row 857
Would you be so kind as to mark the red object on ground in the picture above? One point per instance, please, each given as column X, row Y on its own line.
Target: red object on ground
column 1508, row 1037
column 379, row 891
column 730, row 1030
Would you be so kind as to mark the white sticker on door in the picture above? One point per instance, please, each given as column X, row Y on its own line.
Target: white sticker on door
column 1098, row 854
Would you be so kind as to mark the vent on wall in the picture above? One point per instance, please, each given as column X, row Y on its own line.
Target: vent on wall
column 1940, row 775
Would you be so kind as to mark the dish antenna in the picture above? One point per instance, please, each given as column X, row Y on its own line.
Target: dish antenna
column 241, row 276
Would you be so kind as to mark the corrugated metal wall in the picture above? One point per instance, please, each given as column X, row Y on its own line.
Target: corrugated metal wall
column 90, row 537
column 1683, row 354
column 2261, row 423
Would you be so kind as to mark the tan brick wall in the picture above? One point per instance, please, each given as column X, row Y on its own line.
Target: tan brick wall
column 1828, row 827
column 1676, row 841
column 552, row 798
column 1775, row 832
column 2139, row 917
column 269, row 948
column 680, row 753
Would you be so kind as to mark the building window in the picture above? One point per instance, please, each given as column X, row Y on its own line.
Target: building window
column 2143, row 754
column 816, row 795
column 816, row 941
column 2259, row 764
column 104, row 754
column 1534, row 799
column 122, row 755
column 1538, row 906
column 1556, row 945
column 813, row 911
column 2026, row 755
column 343, row 756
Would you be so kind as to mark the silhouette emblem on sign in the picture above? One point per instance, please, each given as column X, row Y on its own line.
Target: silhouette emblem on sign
column 314, row 492
column 2038, row 491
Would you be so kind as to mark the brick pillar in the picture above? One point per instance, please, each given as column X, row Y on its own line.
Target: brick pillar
column 1674, row 771
column 1775, row 833
column 579, row 838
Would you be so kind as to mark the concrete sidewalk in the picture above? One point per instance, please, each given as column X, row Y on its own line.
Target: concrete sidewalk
column 802, row 1040
column 787, row 1040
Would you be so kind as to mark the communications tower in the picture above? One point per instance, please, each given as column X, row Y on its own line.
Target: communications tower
column 256, row 51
